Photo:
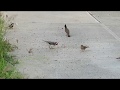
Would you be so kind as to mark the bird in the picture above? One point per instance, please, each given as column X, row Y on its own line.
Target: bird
column 118, row 58
column 6, row 16
column 11, row 25
column 30, row 51
column 51, row 43
column 67, row 31
column 84, row 47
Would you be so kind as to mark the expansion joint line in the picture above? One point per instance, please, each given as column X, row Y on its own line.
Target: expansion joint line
column 106, row 28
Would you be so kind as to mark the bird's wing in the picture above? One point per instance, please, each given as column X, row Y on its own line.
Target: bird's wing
column 47, row 41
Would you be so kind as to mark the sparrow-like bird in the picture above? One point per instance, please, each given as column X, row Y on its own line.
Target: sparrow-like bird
column 84, row 47
column 118, row 58
column 11, row 25
column 67, row 31
column 51, row 43
column 30, row 51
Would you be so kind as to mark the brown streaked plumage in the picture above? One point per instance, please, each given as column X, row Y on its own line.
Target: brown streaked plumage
column 84, row 47
column 30, row 51
column 11, row 25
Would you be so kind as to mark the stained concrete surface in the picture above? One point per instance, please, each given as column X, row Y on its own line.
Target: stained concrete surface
column 67, row 60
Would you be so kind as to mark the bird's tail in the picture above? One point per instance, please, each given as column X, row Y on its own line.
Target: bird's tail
column 44, row 40
column 87, row 46
column 68, row 35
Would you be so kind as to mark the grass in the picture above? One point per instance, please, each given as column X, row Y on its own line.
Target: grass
column 7, row 61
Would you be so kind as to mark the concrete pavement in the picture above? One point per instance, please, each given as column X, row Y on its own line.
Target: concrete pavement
column 98, row 61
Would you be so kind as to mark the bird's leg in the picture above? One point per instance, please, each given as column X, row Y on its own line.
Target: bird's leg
column 52, row 47
column 82, row 50
column 49, row 47
column 66, row 34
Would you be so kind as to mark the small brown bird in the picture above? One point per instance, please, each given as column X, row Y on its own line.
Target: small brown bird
column 11, row 25
column 84, row 47
column 30, row 51
column 6, row 16
column 51, row 43
column 67, row 31
column 118, row 58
